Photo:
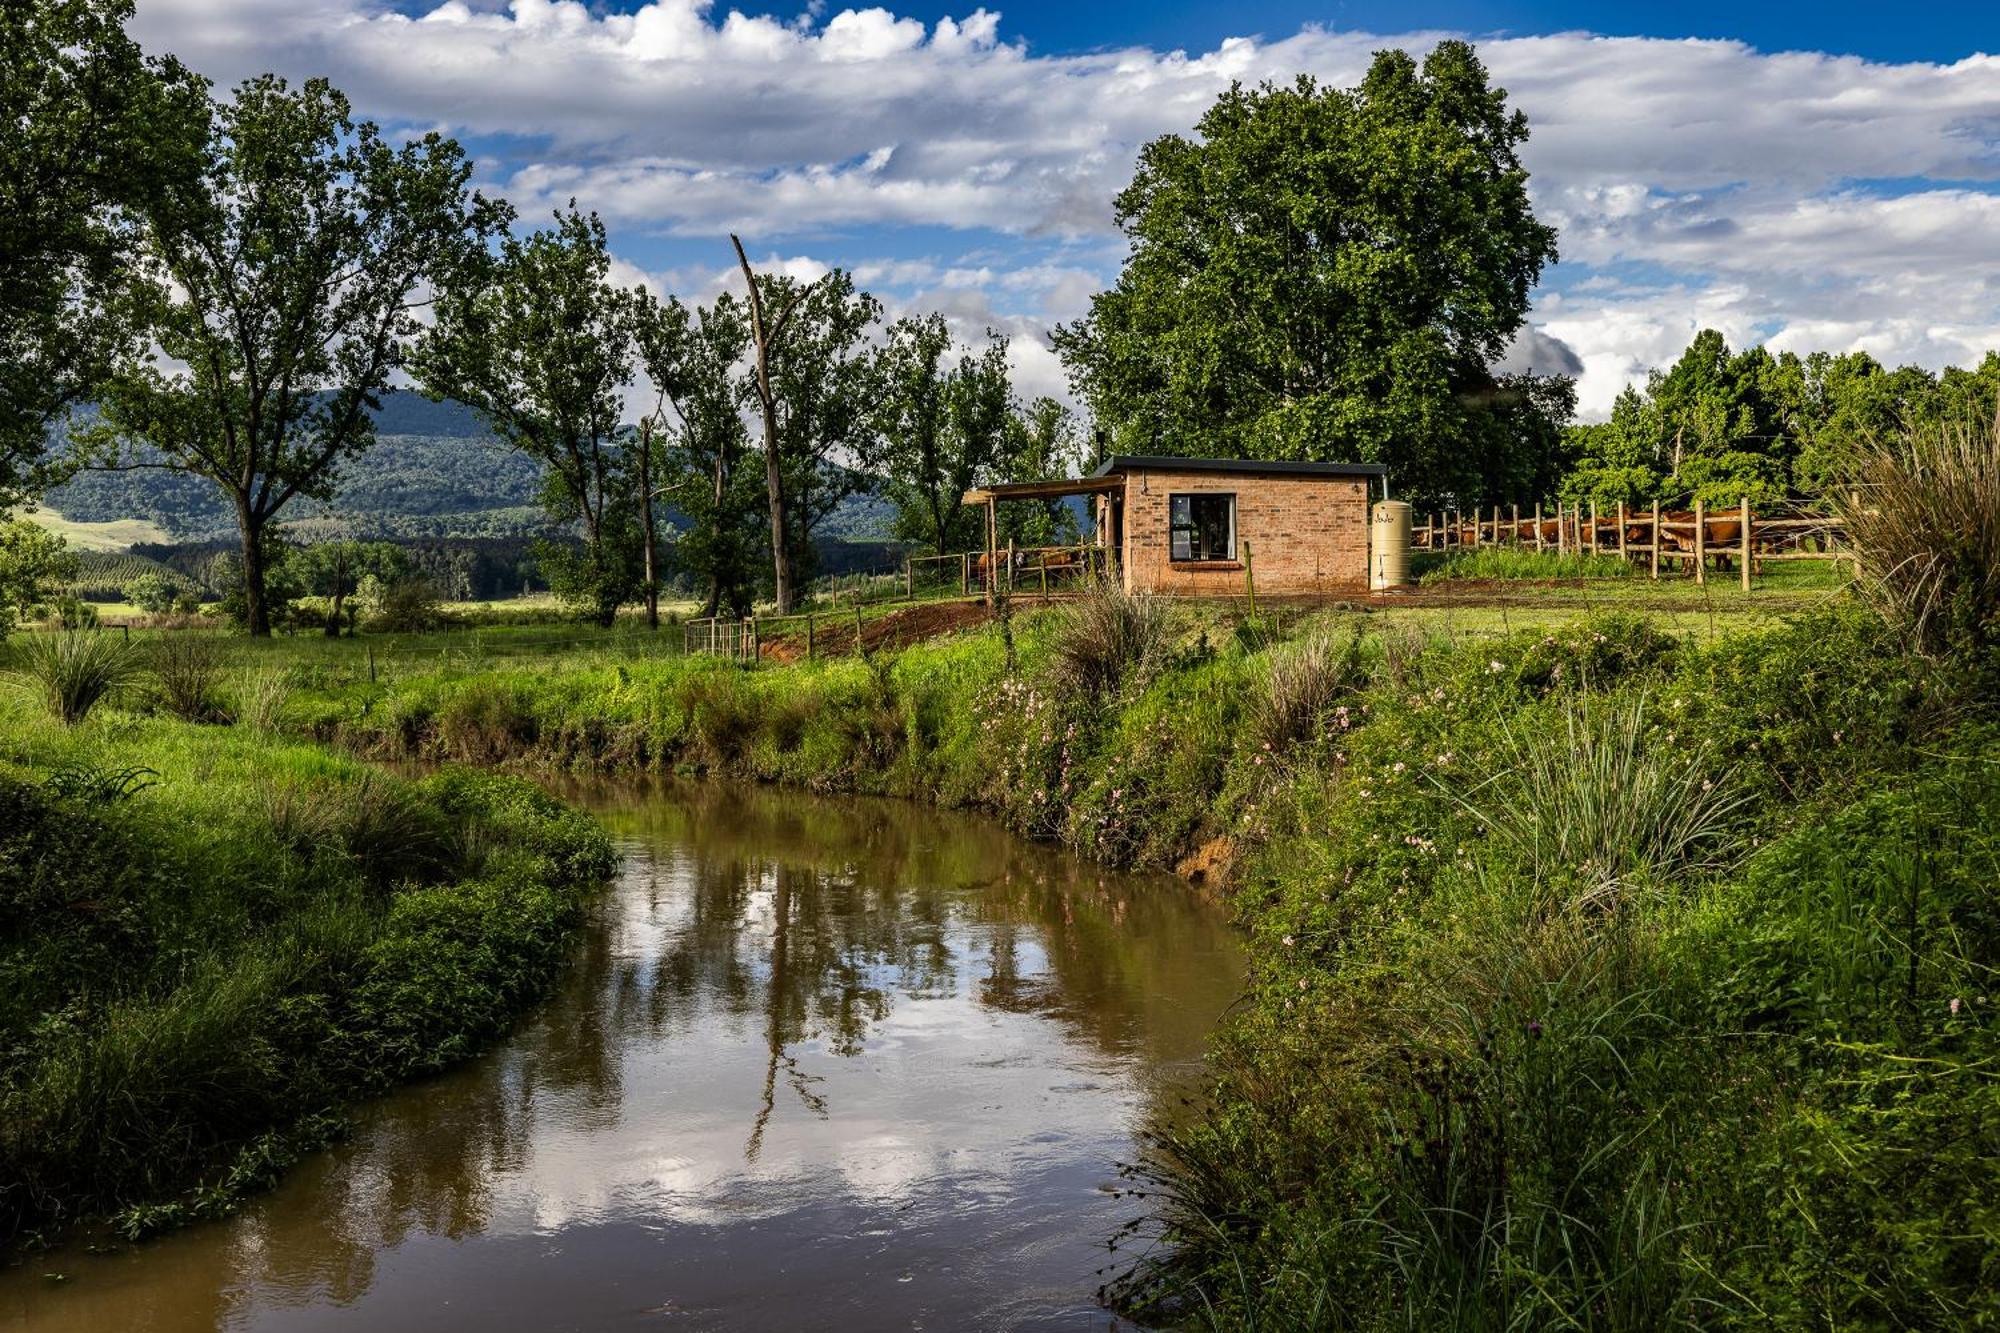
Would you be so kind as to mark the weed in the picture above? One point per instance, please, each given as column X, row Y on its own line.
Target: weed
column 187, row 671
column 1108, row 636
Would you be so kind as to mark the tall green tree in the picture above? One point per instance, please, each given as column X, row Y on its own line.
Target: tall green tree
column 334, row 570
column 94, row 132
column 542, row 345
column 823, row 378
column 1321, row 273
column 945, row 425
column 1042, row 444
column 707, row 471
column 292, row 267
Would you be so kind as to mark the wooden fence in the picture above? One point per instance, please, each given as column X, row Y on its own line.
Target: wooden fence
column 1019, row 570
column 1696, row 539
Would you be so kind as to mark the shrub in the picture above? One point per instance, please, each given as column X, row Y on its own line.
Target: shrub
column 71, row 671
column 1108, row 634
column 1923, row 518
column 407, row 606
column 187, row 668
column 154, row 594
column 487, row 722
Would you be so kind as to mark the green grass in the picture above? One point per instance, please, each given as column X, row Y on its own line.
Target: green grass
column 1604, row 965
column 211, row 942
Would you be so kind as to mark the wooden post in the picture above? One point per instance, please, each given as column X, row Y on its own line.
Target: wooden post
column 1700, row 541
column 1538, row 525
column 1621, row 529
column 1514, row 523
column 909, row 581
column 1562, row 529
column 964, row 572
column 1010, row 565
column 1593, row 524
column 1744, row 558
column 371, row 664
column 812, row 648
column 1043, row 564
column 1656, row 538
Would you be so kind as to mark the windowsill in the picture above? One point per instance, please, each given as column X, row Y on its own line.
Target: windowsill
column 1201, row 566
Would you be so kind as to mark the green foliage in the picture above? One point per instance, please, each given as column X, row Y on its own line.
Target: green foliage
column 72, row 670
column 541, row 345
column 197, row 976
column 1719, row 425
column 944, row 426
column 95, row 132
column 1327, row 273
column 33, row 563
column 409, row 605
column 152, row 593
column 297, row 211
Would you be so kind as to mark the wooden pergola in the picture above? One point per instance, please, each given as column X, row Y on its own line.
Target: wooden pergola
column 1062, row 488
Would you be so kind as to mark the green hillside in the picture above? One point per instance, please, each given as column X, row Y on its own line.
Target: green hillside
column 435, row 472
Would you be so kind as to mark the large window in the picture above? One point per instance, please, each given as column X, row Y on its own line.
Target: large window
column 1202, row 527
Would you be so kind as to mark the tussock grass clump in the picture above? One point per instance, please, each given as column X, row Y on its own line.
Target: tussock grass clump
column 262, row 696
column 1607, row 798
column 187, row 670
column 1307, row 679
column 1108, row 636
column 1923, row 518
column 71, row 671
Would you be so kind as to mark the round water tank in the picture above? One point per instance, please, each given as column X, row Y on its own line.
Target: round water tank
column 1389, row 545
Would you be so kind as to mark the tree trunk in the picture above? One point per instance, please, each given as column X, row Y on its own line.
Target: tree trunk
column 646, row 522
column 256, row 612
column 763, row 334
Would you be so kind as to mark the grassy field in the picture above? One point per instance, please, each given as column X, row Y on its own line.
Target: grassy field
column 118, row 535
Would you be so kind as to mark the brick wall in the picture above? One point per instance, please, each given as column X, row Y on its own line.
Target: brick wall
column 1309, row 535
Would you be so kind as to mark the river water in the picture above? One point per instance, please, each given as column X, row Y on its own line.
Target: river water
column 819, row 1064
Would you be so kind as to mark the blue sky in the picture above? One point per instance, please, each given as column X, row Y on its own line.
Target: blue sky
column 1812, row 175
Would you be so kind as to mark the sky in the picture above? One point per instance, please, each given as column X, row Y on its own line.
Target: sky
column 1808, row 176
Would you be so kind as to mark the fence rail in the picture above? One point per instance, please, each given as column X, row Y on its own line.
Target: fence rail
column 1691, row 539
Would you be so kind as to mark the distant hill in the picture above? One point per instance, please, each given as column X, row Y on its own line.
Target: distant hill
column 436, row 472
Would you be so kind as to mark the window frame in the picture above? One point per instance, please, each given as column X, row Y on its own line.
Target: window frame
column 1193, row 527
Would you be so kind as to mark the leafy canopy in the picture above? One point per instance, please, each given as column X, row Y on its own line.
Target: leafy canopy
column 94, row 131
column 1322, row 273
column 290, row 270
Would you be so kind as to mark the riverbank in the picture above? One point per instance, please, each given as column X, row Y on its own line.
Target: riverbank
column 216, row 941
column 1598, row 970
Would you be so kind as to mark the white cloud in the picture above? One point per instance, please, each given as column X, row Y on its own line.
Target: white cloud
column 1737, row 180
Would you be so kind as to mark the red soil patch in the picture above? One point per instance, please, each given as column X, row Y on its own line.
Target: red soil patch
column 833, row 635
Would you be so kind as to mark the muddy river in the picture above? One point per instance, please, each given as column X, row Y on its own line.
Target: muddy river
column 819, row 1064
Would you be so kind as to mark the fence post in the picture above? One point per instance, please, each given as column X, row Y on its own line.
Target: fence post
column 1700, row 541
column 1656, row 537
column 1538, row 525
column 371, row 664
column 909, row 581
column 1621, row 529
column 811, row 646
column 1745, row 556
column 964, row 573
column 1562, row 528
column 1010, row 565
column 1514, row 524
column 1593, row 525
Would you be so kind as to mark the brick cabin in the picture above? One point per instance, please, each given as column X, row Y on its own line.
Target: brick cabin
column 1183, row 525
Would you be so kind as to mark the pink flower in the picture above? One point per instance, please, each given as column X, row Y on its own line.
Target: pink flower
column 1954, row 999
